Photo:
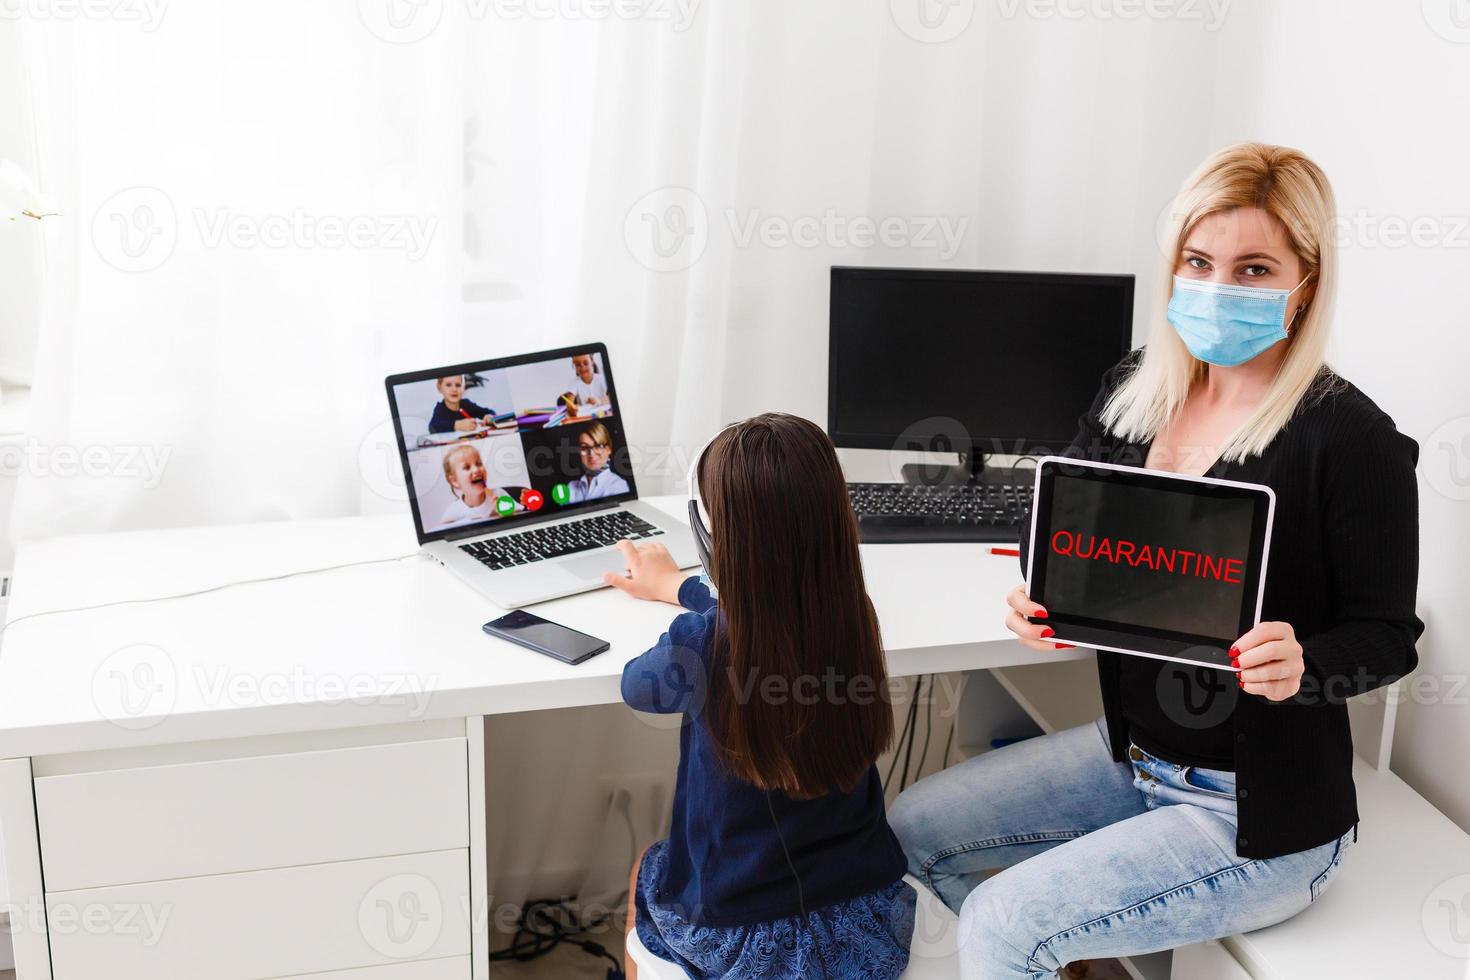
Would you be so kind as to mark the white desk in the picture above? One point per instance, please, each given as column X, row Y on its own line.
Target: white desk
column 303, row 759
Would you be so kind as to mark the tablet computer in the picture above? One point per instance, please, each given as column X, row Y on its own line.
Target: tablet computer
column 1147, row 562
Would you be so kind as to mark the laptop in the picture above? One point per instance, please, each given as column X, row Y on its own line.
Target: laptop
column 1147, row 562
column 518, row 475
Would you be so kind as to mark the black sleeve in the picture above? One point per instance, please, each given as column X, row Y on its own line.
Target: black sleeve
column 1088, row 443
column 441, row 420
column 1370, row 513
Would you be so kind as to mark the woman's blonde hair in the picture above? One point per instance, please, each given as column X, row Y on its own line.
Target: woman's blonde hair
column 1287, row 185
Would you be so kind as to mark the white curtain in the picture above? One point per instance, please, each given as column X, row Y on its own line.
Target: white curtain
column 270, row 206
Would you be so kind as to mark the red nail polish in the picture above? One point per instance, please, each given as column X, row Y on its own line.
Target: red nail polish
column 1040, row 614
column 1241, row 683
column 1048, row 632
column 1066, row 646
column 1234, row 652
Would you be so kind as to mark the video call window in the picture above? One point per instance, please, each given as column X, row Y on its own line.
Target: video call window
column 487, row 445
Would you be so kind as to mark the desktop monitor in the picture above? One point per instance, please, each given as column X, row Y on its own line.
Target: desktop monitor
column 970, row 362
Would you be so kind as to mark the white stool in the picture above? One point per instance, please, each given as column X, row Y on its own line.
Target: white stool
column 931, row 954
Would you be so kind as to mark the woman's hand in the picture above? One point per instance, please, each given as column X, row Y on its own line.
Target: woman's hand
column 1270, row 661
column 1031, row 635
column 652, row 573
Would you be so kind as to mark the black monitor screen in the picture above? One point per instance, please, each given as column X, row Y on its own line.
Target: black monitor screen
column 1005, row 362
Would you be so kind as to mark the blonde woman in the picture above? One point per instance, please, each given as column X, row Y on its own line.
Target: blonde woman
column 595, row 450
column 1202, row 805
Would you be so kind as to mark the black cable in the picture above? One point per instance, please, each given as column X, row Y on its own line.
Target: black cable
column 949, row 744
column 1034, row 462
column 913, row 711
column 547, row 924
column 800, row 895
column 928, row 730
column 898, row 748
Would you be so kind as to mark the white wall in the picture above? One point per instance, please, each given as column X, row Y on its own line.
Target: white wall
column 1380, row 98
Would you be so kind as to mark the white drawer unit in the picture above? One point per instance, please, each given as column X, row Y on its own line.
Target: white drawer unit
column 260, row 925
column 117, row 826
column 448, row 968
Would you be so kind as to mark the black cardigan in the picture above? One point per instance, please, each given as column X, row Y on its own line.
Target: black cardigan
column 1343, row 571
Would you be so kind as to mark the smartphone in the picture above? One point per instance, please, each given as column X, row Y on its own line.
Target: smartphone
column 542, row 635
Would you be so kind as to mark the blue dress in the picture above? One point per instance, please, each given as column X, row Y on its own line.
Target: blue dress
column 865, row 937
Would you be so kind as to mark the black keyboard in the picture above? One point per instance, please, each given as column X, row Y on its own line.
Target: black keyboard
column 555, row 540
column 908, row 512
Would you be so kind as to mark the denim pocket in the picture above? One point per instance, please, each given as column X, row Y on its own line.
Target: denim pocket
column 1214, row 782
column 1320, row 883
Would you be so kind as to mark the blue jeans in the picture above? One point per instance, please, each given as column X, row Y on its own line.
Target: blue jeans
column 1096, row 858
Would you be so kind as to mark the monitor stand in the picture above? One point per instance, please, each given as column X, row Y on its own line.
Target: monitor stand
column 970, row 469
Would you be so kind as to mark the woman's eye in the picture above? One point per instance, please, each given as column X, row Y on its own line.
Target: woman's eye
column 1195, row 262
column 1256, row 271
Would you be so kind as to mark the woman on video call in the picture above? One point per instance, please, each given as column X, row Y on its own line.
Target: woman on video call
column 595, row 449
column 1202, row 805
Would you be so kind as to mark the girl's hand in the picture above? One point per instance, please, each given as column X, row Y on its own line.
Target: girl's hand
column 652, row 573
column 1271, row 661
column 1031, row 635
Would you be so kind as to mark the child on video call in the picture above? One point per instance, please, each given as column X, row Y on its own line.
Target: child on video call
column 778, row 807
column 457, row 413
column 594, row 448
column 475, row 500
column 588, row 388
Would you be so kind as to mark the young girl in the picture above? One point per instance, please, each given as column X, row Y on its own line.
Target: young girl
column 475, row 500
column 779, row 862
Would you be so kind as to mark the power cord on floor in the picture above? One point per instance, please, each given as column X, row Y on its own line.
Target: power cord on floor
column 547, row 923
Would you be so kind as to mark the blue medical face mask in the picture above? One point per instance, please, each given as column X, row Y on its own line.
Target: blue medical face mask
column 1226, row 324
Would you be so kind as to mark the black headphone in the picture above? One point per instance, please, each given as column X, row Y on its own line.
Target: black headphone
column 698, row 514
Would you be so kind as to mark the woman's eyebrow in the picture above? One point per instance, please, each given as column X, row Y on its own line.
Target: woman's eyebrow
column 1258, row 255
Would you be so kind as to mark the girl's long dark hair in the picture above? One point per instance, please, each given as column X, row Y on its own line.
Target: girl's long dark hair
column 798, row 697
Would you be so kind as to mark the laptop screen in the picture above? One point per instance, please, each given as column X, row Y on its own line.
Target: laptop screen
column 511, row 440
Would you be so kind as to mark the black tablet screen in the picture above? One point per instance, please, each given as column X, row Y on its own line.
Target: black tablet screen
column 1156, row 558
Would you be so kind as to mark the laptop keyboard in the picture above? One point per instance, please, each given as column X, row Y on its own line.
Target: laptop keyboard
column 556, row 540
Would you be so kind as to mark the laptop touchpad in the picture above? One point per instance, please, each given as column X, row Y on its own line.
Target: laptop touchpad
column 592, row 566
